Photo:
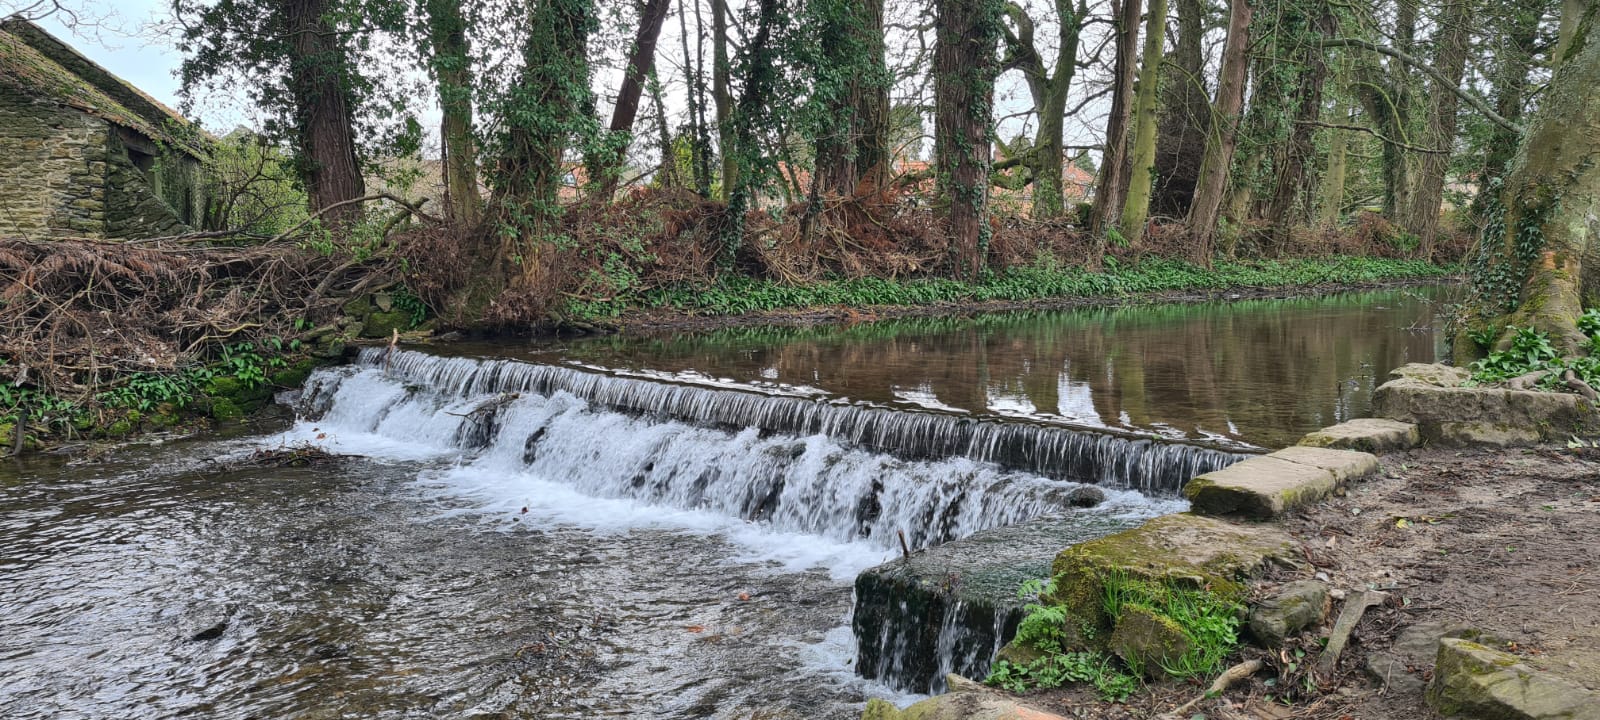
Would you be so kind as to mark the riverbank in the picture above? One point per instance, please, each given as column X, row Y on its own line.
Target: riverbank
column 745, row 302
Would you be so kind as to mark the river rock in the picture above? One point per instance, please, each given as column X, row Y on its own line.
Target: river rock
column 1373, row 435
column 1472, row 680
column 966, row 700
column 1295, row 607
column 1448, row 413
column 1400, row 668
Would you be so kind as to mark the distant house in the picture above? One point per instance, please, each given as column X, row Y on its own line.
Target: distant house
column 83, row 153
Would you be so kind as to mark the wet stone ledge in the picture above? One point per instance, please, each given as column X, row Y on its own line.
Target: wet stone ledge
column 950, row 608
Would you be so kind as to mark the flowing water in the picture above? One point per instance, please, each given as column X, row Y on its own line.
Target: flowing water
column 659, row 528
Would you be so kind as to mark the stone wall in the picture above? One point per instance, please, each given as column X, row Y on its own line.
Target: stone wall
column 52, row 169
column 134, row 207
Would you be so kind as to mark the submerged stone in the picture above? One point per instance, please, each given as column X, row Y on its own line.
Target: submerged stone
column 1472, row 680
column 1373, row 435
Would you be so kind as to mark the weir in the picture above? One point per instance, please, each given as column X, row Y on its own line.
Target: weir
column 1087, row 455
column 841, row 472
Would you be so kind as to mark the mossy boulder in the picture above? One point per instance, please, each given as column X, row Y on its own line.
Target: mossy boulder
column 359, row 307
column 1147, row 640
column 294, row 375
column 1294, row 607
column 1448, row 413
column 1181, row 550
column 225, row 409
column 384, row 324
column 1472, row 680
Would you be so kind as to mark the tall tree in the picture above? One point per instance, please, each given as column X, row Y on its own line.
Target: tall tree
column 857, row 145
column 1224, row 131
column 451, row 63
column 1451, row 41
column 1540, row 257
column 1049, row 88
column 1136, row 209
column 722, row 92
column 1113, row 181
column 295, row 60
column 1185, row 114
column 605, row 165
column 1313, row 24
column 964, row 67
column 542, row 113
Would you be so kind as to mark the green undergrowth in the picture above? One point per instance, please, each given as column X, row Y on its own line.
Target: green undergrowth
column 1531, row 351
column 1067, row 649
column 737, row 294
column 239, row 380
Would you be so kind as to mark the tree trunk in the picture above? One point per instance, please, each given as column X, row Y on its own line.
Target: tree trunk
column 1113, row 181
column 318, row 76
column 1293, row 155
column 604, row 170
column 1049, row 91
column 543, row 112
column 760, row 76
column 1185, row 115
column 860, row 146
column 1544, row 266
column 452, row 70
column 1224, row 132
column 1450, row 59
column 694, row 80
column 1330, row 200
column 1518, row 39
column 1137, row 207
column 722, row 95
column 964, row 69
column 1567, row 33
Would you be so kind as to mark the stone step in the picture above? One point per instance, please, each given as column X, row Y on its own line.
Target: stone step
column 1266, row 487
column 1476, row 681
column 1373, row 435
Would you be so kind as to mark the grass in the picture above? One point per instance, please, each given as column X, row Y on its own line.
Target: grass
column 737, row 295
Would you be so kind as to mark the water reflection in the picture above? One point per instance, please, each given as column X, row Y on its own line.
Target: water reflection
column 1261, row 372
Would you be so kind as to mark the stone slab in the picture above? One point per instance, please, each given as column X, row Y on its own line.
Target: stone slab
column 1346, row 465
column 1262, row 488
column 1448, row 413
column 1472, row 680
column 1373, row 435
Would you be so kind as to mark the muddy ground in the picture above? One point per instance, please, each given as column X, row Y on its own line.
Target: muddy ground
column 1504, row 542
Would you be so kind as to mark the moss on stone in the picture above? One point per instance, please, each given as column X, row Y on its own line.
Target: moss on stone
column 383, row 324
column 225, row 409
column 295, row 374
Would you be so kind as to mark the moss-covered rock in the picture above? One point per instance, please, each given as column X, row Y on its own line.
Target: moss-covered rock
column 384, row 324
column 294, row 375
column 359, row 307
column 1471, row 680
column 119, row 428
column 1295, row 607
column 1373, row 435
column 1147, row 640
column 225, row 409
column 1181, row 550
column 966, row 700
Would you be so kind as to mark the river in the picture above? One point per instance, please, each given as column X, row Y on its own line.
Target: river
column 648, row 527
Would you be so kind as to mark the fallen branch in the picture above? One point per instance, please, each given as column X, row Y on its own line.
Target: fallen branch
column 1354, row 608
column 1224, row 681
column 402, row 202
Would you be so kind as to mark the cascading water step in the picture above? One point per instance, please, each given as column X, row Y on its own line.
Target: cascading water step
column 1086, row 455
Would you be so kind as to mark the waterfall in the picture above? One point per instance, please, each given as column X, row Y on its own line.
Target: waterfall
column 1101, row 457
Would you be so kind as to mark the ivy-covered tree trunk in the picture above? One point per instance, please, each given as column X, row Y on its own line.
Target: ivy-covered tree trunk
column 964, row 69
column 451, row 61
column 1112, row 185
column 1185, row 115
column 544, row 111
column 858, row 149
column 318, row 72
column 760, row 75
column 1330, row 196
column 1516, row 39
column 1293, row 155
column 1539, row 264
column 1452, row 41
column 1224, row 132
column 605, row 167
column 1136, row 210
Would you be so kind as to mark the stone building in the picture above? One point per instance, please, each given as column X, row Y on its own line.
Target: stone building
column 85, row 154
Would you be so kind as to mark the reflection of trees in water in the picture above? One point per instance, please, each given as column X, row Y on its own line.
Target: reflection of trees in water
column 1272, row 369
